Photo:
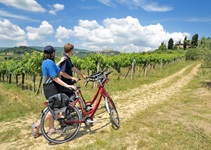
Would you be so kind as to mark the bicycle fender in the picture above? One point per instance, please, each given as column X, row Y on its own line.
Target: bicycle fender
column 44, row 111
column 106, row 104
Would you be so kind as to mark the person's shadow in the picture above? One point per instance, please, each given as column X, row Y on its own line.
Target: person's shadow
column 206, row 84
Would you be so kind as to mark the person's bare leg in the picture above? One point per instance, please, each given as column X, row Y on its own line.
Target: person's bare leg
column 51, row 122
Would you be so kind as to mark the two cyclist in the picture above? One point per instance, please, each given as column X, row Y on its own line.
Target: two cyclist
column 52, row 84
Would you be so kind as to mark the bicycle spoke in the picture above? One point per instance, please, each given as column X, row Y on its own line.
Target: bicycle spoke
column 63, row 132
column 114, row 116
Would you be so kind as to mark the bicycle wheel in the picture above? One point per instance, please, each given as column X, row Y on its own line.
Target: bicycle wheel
column 113, row 113
column 66, row 129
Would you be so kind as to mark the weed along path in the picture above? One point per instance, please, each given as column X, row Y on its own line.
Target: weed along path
column 128, row 103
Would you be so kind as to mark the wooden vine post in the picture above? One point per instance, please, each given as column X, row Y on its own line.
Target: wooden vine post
column 133, row 69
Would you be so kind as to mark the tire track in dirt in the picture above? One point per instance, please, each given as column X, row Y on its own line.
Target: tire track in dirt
column 148, row 95
column 147, row 87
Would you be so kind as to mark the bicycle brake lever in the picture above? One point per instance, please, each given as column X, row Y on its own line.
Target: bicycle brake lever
column 86, row 83
column 108, row 73
column 78, row 87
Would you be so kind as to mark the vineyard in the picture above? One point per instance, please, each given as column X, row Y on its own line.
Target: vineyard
column 165, row 95
column 163, row 99
column 29, row 67
column 159, row 115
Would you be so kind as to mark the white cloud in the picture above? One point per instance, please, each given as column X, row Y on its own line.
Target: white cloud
column 63, row 33
column 89, row 24
column 11, row 32
column 198, row 19
column 7, row 14
column 55, row 8
column 107, row 2
column 155, row 7
column 125, row 34
column 60, row 41
column 28, row 5
column 147, row 5
column 22, row 43
column 38, row 33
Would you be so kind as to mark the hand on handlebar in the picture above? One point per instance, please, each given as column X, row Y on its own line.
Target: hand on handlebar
column 84, row 76
column 75, row 79
column 71, row 86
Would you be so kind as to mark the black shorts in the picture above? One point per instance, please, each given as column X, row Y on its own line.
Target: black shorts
column 54, row 88
column 66, row 91
column 51, row 89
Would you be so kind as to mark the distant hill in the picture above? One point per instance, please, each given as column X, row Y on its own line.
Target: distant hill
column 2, row 48
column 59, row 50
column 108, row 52
column 19, row 50
column 16, row 52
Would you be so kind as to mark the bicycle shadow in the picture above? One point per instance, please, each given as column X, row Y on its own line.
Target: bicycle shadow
column 85, row 130
column 102, row 120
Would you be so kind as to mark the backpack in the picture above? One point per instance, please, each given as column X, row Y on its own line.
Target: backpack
column 58, row 105
column 58, row 100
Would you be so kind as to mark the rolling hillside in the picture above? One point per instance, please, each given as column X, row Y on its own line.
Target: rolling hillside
column 8, row 53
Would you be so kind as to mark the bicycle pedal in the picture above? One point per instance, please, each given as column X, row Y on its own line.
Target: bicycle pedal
column 95, row 121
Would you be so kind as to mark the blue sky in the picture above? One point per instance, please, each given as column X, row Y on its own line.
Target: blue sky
column 123, row 25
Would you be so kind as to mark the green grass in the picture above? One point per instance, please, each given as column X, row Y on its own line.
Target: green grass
column 10, row 110
column 15, row 103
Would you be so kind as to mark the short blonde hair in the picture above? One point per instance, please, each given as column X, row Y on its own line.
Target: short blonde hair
column 68, row 47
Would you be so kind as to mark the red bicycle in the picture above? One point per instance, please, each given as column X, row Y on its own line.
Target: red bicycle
column 79, row 111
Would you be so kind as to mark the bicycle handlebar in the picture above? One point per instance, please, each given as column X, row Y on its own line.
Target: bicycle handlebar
column 74, row 81
column 97, row 76
column 71, row 89
column 108, row 73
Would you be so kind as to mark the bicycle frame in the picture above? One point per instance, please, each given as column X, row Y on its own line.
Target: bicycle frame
column 100, row 92
column 70, row 125
column 93, row 99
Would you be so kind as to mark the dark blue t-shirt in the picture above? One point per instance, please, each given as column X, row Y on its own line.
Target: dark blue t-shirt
column 66, row 67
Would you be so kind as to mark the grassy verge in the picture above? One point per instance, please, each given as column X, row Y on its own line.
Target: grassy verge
column 15, row 103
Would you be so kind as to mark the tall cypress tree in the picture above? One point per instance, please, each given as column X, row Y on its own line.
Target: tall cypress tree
column 185, row 43
column 194, row 41
column 171, row 44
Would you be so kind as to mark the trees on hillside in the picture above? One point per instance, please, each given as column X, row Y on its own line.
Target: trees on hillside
column 162, row 46
column 185, row 43
column 194, row 41
column 171, row 44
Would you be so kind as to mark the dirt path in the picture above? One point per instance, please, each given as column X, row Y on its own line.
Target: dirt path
column 139, row 98
column 154, row 93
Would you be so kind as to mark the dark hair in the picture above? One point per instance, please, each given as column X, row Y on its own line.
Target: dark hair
column 48, row 56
